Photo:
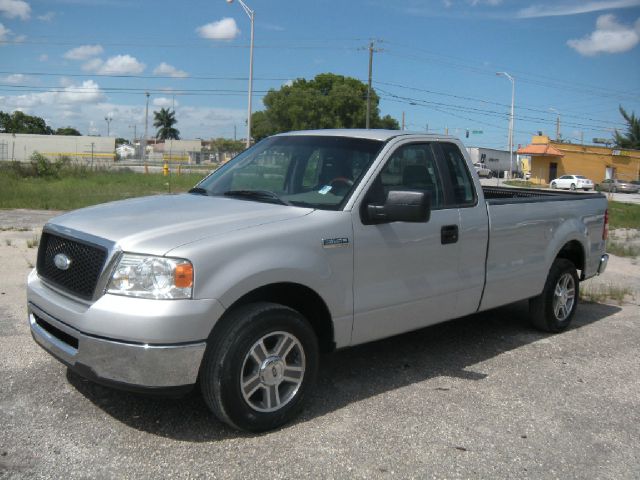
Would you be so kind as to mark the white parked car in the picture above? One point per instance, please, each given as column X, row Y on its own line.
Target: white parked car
column 482, row 170
column 572, row 182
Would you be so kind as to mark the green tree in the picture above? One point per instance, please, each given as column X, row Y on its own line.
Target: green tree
column 226, row 145
column 164, row 120
column 120, row 141
column 327, row 101
column 630, row 139
column 19, row 122
column 67, row 131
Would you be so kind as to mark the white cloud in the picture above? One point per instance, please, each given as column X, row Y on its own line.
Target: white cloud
column 169, row 70
column 225, row 29
column 15, row 78
column 164, row 102
column 118, row 65
column 492, row 3
column 47, row 17
column 122, row 65
column 558, row 9
column 83, row 52
column 43, row 58
column 86, row 93
column 15, row 8
column 4, row 33
column 608, row 37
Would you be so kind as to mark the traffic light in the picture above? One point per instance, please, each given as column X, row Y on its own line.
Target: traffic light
column 467, row 134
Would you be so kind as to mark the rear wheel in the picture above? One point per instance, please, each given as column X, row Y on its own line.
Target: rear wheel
column 573, row 186
column 554, row 308
column 259, row 366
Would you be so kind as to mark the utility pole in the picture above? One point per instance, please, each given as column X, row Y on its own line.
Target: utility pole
column 403, row 121
column 371, row 50
column 558, row 128
column 143, row 153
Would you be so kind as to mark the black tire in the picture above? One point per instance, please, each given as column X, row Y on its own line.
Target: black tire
column 553, row 185
column 573, row 186
column 228, row 360
column 551, row 311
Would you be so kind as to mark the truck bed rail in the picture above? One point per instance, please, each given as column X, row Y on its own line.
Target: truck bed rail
column 505, row 195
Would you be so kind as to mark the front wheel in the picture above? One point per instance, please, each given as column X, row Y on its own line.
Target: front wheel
column 573, row 186
column 554, row 185
column 554, row 308
column 259, row 366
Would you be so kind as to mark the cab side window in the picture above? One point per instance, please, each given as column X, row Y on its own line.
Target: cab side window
column 458, row 174
column 411, row 167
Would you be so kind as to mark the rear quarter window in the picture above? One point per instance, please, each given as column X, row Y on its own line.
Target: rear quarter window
column 462, row 185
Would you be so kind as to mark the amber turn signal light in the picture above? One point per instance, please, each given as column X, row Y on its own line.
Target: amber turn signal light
column 184, row 275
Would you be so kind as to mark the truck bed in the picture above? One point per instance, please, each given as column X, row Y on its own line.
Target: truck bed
column 506, row 195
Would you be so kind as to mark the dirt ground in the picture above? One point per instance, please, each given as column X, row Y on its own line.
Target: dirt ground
column 485, row 396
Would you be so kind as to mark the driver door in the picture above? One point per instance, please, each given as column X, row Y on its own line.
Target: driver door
column 405, row 274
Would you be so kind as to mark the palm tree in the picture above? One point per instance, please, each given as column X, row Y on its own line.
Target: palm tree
column 631, row 139
column 164, row 120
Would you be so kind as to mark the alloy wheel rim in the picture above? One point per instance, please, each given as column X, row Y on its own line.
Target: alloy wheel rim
column 272, row 372
column 564, row 297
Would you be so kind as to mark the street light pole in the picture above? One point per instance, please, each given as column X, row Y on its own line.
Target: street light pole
column 108, row 119
column 513, row 97
column 251, row 14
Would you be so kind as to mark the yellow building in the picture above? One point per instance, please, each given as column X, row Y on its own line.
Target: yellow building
column 548, row 160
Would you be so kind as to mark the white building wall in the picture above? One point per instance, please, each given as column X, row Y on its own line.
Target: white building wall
column 496, row 160
column 21, row 146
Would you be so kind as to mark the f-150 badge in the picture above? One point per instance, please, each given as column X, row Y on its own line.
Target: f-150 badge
column 335, row 242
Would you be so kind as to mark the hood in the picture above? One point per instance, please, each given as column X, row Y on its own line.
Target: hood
column 158, row 224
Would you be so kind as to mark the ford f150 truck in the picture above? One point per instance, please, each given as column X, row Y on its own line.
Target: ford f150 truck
column 306, row 242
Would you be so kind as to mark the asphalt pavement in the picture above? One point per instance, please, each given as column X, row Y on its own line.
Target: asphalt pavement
column 485, row 396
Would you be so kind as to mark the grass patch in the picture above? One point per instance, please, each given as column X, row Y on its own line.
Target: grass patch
column 622, row 250
column 80, row 187
column 520, row 183
column 34, row 242
column 603, row 293
column 624, row 215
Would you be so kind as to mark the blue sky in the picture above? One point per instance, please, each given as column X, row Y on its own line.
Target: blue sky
column 75, row 62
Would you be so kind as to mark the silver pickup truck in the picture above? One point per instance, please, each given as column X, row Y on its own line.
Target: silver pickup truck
column 307, row 242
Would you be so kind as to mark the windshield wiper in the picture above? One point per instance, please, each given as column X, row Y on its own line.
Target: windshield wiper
column 199, row 191
column 260, row 195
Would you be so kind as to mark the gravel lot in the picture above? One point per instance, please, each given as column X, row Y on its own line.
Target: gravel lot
column 480, row 397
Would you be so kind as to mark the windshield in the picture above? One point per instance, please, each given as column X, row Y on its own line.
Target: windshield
column 310, row 171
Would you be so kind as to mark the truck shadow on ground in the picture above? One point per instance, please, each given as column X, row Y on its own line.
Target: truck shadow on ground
column 347, row 376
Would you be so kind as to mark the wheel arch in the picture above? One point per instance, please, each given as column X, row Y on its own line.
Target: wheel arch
column 573, row 250
column 299, row 297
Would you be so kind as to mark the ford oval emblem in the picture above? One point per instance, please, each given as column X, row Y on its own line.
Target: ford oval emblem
column 61, row 261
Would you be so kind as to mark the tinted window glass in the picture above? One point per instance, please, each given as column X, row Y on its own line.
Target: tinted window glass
column 461, row 182
column 411, row 167
column 311, row 171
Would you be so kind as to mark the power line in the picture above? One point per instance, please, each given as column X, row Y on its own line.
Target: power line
column 461, row 97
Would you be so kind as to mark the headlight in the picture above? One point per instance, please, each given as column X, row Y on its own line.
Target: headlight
column 152, row 277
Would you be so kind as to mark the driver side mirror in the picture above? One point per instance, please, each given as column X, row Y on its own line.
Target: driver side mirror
column 401, row 206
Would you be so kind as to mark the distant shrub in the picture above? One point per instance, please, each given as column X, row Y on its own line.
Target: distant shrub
column 43, row 167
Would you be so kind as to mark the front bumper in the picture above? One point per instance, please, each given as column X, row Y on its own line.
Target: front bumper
column 119, row 364
column 130, row 343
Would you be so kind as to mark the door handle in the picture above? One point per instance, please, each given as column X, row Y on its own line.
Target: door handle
column 449, row 234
